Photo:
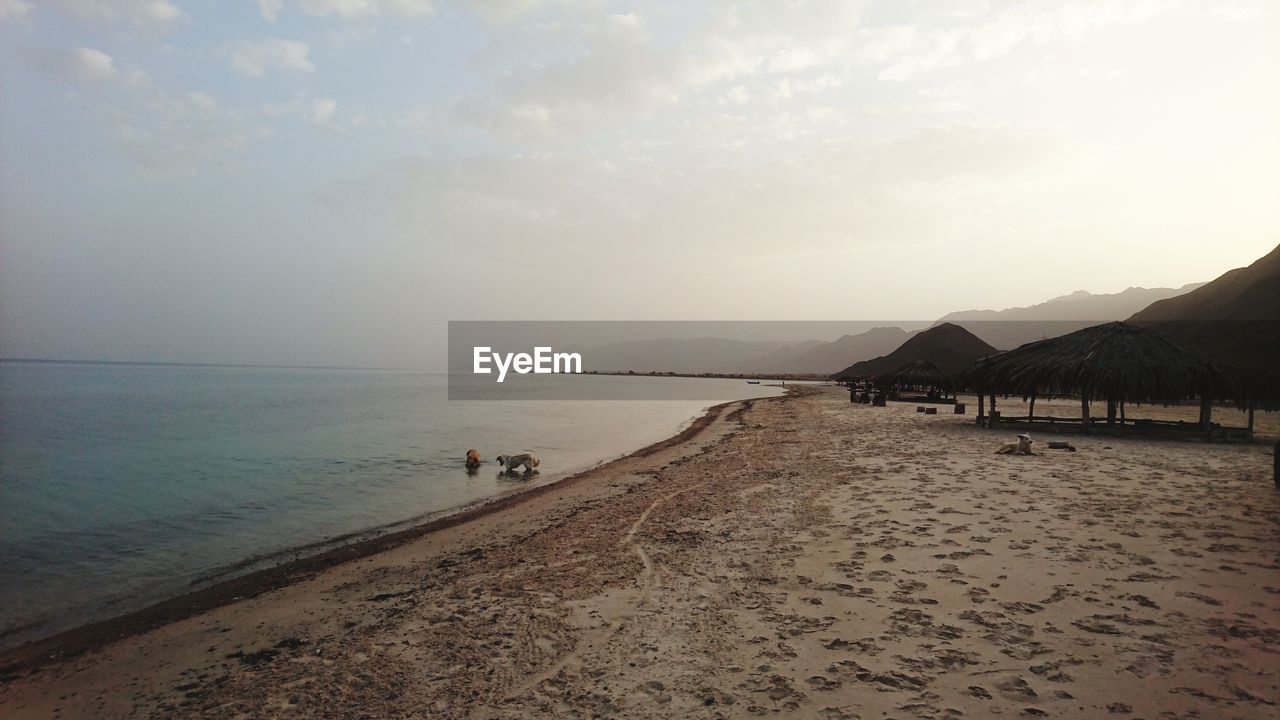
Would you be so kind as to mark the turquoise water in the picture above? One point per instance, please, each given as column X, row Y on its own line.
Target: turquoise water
column 121, row 485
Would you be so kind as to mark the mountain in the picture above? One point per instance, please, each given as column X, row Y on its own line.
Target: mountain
column 1011, row 327
column 949, row 346
column 1080, row 305
column 1236, row 316
column 824, row 358
column 776, row 360
column 680, row 355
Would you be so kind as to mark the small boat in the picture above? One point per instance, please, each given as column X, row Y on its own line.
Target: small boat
column 753, row 382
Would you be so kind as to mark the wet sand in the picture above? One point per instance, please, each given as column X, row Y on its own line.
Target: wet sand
column 794, row 557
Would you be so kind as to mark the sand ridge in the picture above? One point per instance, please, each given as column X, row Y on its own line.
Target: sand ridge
column 799, row 557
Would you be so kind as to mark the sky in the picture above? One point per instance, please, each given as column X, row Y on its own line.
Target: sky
column 328, row 182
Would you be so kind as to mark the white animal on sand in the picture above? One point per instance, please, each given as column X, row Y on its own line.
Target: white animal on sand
column 1021, row 447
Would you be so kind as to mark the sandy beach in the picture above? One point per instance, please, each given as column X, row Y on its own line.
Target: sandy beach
column 787, row 557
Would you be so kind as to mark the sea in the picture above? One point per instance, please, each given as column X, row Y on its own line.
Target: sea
column 125, row 484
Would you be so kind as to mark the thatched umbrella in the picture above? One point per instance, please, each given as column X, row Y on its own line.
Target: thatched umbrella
column 918, row 374
column 1116, row 362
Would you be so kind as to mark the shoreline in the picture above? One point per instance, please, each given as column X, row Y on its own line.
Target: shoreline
column 807, row 378
column 795, row 556
column 64, row 645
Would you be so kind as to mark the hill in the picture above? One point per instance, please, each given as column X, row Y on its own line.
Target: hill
column 949, row 346
column 1236, row 316
column 1080, row 305
column 680, row 355
column 1011, row 327
column 783, row 357
column 825, row 358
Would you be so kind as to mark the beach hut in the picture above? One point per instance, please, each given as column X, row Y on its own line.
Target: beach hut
column 920, row 377
column 1116, row 363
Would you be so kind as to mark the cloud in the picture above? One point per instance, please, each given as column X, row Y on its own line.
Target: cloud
column 350, row 9
column 341, row 8
column 86, row 65
column 165, row 151
column 161, row 11
column 736, row 95
column 505, row 11
column 177, row 135
column 202, row 102
column 321, row 111
column 161, row 134
column 937, row 49
column 982, row 35
column 674, row 211
column 93, row 64
column 408, row 8
column 908, row 188
column 270, row 9
column 256, row 57
column 15, row 11
column 611, row 70
column 158, row 15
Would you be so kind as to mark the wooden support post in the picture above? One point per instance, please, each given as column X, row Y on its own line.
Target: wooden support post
column 1084, row 412
column 1206, row 416
column 1031, row 411
column 982, row 409
column 993, row 415
column 1250, row 435
column 1111, row 409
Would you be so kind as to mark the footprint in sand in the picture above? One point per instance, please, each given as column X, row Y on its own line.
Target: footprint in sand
column 1199, row 597
column 1016, row 688
column 979, row 692
column 822, row 683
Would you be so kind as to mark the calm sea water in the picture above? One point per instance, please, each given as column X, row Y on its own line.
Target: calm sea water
column 121, row 485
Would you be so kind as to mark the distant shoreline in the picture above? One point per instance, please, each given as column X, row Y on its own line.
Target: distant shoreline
column 799, row 377
column 622, row 373
column 145, row 363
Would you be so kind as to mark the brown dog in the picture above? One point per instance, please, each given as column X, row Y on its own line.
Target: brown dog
column 473, row 459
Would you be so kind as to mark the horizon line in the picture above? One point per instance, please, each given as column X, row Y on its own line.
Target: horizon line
column 260, row 366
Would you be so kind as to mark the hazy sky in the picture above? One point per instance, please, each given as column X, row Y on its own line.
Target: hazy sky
column 329, row 181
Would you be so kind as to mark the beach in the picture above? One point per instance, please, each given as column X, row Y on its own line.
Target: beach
column 796, row 556
column 123, row 485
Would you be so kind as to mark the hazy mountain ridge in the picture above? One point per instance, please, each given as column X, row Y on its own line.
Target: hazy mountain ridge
column 680, row 355
column 1079, row 305
column 781, row 360
column 991, row 329
column 722, row 355
column 825, row 358
column 1011, row 327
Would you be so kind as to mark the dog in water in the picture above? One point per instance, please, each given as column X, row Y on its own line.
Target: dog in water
column 525, row 460
column 473, row 459
column 1021, row 447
